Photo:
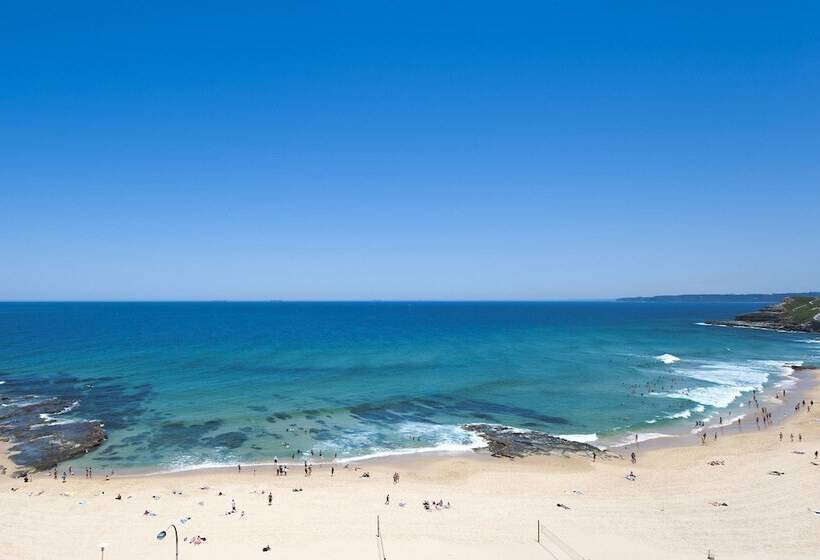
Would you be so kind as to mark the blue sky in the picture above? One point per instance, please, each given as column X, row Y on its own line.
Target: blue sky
column 410, row 150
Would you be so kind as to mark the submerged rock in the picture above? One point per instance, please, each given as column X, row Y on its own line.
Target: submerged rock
column 504, row 441
column 39, row 440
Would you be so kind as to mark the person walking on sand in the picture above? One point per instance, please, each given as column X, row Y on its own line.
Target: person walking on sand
column 332, row 471
column 387, row 500
column 270, row 498
column 634, row 458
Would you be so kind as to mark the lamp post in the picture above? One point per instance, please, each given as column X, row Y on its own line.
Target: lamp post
column 161, row 535
column 102, row 551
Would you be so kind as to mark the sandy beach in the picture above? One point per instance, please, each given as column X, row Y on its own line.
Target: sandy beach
column 673, row 509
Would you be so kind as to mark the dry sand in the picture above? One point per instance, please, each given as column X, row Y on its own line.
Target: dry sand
column 667, row 513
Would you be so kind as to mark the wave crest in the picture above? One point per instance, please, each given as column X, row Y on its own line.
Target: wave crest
column 667, row 358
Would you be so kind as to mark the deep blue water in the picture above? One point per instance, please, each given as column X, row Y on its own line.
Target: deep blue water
column 181, row 384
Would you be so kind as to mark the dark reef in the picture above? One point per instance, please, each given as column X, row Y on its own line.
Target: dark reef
column 40, row 441
column 504, row 441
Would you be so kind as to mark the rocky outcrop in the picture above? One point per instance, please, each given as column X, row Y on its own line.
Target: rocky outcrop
column 39, row 439
column 504, row 441
column 798, row 314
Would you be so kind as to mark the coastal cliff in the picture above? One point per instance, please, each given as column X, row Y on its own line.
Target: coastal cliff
column 794, row 313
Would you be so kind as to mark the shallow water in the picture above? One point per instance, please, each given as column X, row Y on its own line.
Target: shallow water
column 183, row 384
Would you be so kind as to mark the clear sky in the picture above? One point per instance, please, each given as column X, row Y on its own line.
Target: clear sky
column 408, row 150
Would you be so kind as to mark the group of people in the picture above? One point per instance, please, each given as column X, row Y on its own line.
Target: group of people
column 88, row 473
column 802, row 404
column 429, row 505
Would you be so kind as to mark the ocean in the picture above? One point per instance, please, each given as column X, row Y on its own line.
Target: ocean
column 184, row 385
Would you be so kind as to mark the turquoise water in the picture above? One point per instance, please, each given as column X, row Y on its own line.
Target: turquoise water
column 184, row 384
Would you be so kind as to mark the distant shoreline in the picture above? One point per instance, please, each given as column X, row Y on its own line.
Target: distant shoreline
column 717, row 298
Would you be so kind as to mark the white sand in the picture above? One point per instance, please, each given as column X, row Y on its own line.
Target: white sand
column 665, row 514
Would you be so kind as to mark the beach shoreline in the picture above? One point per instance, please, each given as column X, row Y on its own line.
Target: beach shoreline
column 682, row 502
column 804, row 380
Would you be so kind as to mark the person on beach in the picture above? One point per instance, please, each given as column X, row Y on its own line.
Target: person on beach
column 332, row 471
column 387, row 500
column 634, row 458
column 270, row 499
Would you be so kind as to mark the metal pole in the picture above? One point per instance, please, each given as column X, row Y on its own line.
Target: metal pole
column 176, row 539
column 538, row 538
column 378, row 533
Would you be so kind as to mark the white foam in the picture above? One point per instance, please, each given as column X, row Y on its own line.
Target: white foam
column 443, row 438
column 642, row 437
column 719, row 396
column 728, row 380
column 667, row 358
column 686, row 413
column 580, row 438
column 476, row 443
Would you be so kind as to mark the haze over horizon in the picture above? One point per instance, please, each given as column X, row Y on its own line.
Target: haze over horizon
column 427, row 152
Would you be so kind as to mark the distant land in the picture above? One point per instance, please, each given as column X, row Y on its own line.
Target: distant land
column 794, row 313
column 724, row 298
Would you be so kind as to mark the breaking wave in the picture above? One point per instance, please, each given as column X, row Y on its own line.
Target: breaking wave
column 580, row 438
column 727, row 380
column 667, row 358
